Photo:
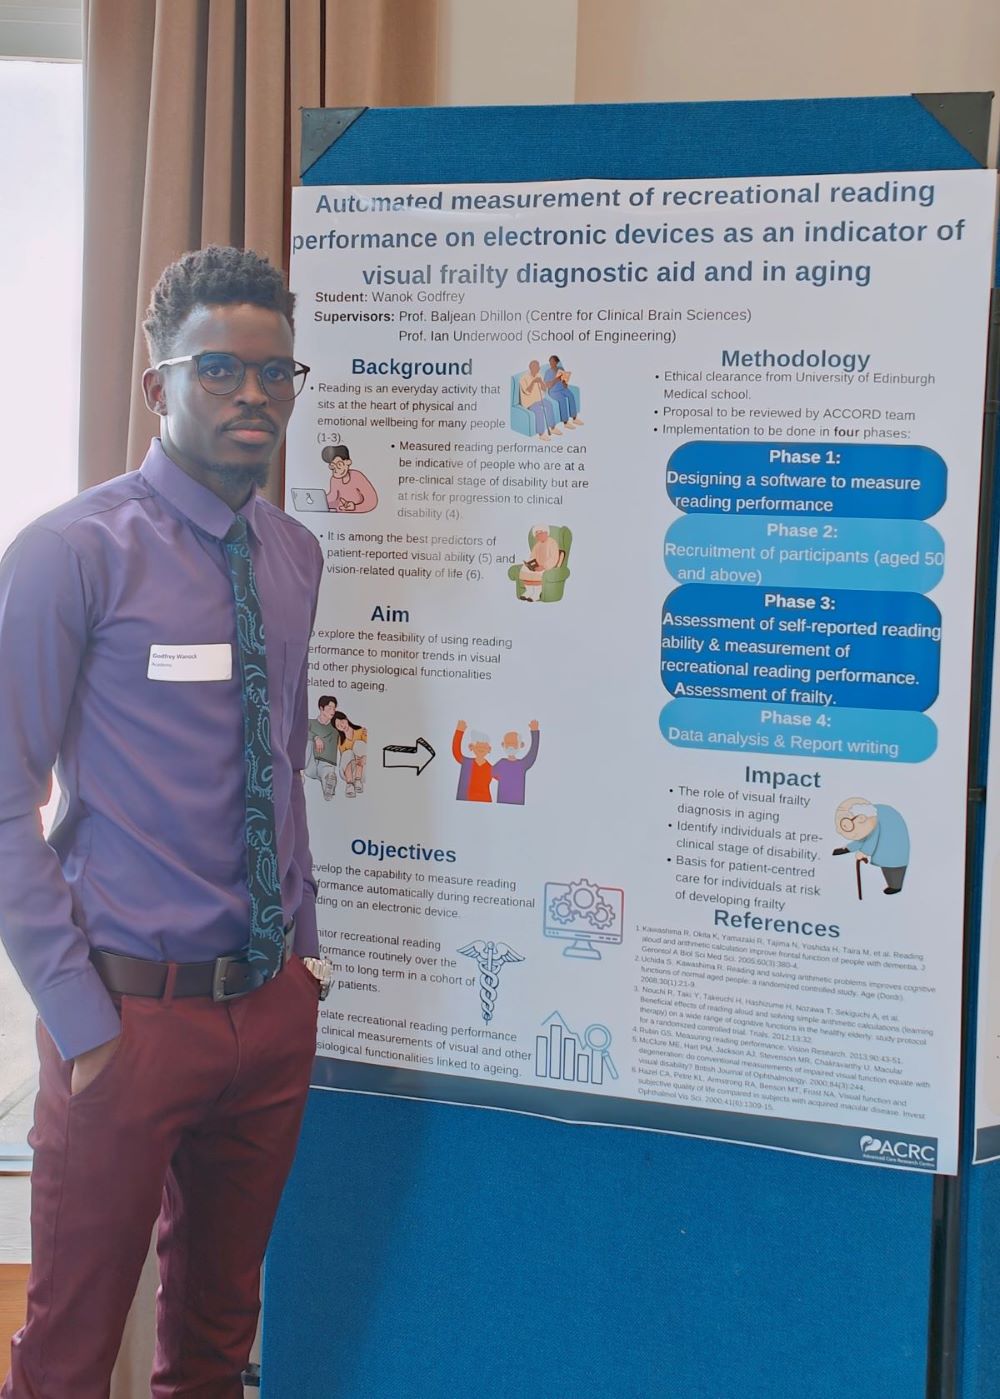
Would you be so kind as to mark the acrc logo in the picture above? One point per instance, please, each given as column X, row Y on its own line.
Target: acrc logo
column 898, row 1150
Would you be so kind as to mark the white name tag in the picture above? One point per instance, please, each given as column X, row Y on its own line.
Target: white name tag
column 211, row 662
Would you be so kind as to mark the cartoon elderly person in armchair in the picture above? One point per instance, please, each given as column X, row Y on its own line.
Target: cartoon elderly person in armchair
column 545, row 554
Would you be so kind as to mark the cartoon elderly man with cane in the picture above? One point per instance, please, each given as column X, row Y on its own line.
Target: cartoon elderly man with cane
column 877, row 834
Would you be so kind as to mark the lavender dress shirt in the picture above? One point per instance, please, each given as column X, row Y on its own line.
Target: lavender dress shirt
column 147, row 855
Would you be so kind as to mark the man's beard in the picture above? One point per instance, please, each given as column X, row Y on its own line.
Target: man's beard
column 237, row 476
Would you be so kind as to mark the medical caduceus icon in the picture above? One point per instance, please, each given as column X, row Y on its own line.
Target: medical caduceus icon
column 489, row 958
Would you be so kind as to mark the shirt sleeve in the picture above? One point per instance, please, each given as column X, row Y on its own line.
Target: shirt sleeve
column 532, row 754
column 306, row 934
column 44, row 634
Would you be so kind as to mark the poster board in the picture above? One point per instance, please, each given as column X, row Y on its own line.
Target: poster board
column 987, row 1041
column 861, row 136
column 976, row 1212
column 572, row 864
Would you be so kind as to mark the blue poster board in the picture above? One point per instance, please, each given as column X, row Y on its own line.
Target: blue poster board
column 976, row 1208
column 426, row 1251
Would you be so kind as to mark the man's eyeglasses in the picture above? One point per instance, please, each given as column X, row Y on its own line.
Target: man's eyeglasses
column 222, row 373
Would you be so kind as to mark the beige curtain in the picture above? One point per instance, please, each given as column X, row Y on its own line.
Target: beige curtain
column 192, row 137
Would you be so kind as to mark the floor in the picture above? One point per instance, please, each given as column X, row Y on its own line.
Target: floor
column 13, row 1280
column 136, row 1353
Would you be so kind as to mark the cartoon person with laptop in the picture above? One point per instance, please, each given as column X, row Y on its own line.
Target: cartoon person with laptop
column 350, row 492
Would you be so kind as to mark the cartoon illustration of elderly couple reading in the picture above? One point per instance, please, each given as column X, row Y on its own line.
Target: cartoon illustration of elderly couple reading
column 471, row 750
column 337, row 747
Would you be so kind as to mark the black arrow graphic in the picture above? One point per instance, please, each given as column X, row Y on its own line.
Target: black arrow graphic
column 399, row 755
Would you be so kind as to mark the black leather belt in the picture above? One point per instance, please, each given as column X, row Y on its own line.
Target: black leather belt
column 225, row 979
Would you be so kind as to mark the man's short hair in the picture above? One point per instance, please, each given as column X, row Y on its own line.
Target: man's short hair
column 211, row 276
column 324, row 700
column 332, row 454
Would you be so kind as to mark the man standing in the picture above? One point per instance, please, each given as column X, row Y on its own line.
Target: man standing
column 153, row 650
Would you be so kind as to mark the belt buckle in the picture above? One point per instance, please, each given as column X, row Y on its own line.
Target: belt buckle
column 220, row 978
column 251, row 978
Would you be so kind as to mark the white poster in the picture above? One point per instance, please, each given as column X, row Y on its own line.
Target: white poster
column 640, row 678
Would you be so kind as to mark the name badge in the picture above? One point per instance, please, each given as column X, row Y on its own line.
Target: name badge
column 211, row 662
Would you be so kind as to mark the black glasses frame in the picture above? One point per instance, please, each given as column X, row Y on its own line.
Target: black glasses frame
column 300, row 373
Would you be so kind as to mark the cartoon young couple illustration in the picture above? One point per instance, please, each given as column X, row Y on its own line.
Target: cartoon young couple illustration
column 477, row 775
column 337, row 747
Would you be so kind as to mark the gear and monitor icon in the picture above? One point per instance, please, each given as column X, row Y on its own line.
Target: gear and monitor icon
column 585, row 913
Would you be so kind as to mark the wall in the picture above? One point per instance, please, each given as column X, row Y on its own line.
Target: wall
column 688, row 51
column 506, row 52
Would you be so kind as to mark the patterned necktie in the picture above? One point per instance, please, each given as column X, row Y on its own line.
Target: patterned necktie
column 267, row 938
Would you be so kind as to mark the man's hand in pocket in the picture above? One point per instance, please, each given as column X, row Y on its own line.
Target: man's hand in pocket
column 87, row 1066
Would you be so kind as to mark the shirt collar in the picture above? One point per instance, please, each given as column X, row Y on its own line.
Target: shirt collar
column 194, row 501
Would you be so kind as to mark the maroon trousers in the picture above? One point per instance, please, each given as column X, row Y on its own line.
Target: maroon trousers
column 194, row 1120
